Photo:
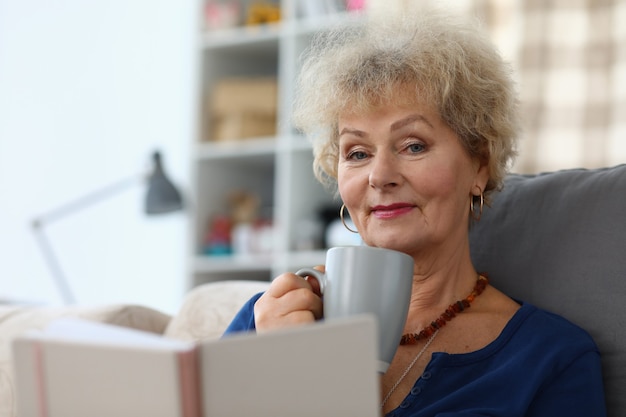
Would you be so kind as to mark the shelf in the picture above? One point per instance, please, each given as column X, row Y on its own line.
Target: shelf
column 278, row 170
column 309, row 259
column 241, row 39
column 233, row 263
column 243, row 148
column 256, row 262
column 300, row 143
column 311, row 25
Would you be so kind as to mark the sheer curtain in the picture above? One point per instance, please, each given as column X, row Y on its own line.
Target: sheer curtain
column 570, row 62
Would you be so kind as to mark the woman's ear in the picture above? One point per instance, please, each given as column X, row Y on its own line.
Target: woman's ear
column 480, row 180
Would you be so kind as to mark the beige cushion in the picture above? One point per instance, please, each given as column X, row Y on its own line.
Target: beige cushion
column 208, row 309
column 16, row 320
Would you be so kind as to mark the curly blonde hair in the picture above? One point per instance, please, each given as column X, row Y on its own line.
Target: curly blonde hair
column 444, row 62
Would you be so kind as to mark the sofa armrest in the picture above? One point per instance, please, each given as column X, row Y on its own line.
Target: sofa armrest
column 209, row 308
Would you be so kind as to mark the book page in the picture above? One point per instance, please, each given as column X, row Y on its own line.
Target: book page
column 88, row 332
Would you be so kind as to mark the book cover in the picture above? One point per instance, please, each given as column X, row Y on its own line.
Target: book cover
column 77, row 368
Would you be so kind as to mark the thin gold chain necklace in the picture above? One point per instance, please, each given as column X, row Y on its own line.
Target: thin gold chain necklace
column 408, row 368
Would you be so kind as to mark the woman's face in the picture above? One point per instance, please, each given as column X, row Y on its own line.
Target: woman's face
column 405, row 178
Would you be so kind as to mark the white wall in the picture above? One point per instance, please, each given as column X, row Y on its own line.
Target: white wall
column 88, row 89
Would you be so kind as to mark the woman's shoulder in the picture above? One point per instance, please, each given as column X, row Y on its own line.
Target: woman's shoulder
column 541, row 327
column 533, row 335
column 244, row 319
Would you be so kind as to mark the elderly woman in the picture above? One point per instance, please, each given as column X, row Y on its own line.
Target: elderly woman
column 415, row 118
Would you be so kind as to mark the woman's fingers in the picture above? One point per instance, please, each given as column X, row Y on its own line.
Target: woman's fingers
column 315, row 285
column 290, row 300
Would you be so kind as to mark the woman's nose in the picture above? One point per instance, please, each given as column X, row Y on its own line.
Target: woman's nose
column 385, row 171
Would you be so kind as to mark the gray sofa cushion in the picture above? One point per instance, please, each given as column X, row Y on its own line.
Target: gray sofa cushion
column 558, row 241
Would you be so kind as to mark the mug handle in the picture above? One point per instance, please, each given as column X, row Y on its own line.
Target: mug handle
column 319, row 276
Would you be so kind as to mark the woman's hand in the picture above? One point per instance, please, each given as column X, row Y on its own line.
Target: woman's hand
column 290, row 300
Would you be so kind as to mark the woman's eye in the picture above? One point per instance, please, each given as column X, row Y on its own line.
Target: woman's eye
column 415, row 147
column 357, row 155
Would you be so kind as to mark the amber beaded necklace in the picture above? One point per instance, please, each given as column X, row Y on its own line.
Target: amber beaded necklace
column 449, row 314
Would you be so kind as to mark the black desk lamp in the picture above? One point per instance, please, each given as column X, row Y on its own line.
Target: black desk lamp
column 162, row 197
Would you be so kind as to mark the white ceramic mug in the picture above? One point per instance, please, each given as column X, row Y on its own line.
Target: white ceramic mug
column 368, row 280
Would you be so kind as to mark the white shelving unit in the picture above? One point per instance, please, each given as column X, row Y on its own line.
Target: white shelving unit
column 277, row 169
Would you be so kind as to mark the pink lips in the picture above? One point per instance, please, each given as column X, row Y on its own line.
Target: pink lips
column 391, row 211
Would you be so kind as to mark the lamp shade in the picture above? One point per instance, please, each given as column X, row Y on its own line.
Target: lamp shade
column 162, row 196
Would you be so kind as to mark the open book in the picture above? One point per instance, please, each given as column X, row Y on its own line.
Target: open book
column 77, row 368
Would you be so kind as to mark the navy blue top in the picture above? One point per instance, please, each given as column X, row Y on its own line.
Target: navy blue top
column 540, row 365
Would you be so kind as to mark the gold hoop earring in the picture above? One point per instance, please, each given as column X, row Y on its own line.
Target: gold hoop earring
column 480, row 211
column 343, row 221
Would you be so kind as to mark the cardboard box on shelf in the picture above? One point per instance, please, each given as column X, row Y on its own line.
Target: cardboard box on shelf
column 243, row 108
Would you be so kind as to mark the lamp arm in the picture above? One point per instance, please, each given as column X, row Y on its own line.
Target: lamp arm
column 86, row 200
column 55, row 267
column 76, row 205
